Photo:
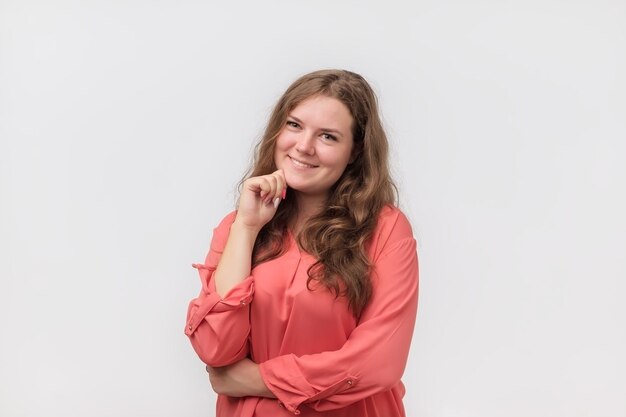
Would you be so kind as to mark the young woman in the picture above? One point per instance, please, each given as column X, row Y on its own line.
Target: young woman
column 309, row 289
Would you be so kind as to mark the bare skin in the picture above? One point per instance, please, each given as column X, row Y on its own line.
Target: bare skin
column 258, row 203
column 241, row 379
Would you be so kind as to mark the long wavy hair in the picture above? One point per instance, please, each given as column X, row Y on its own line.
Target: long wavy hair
column 338, row 236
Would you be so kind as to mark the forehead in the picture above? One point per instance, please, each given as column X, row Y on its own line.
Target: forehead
column 323, row 111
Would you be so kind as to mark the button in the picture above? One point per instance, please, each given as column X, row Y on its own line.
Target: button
column 243, row 302
column 189, row 327
column 349, row 382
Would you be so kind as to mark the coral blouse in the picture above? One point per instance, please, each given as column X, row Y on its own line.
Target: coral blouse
column 315, row 357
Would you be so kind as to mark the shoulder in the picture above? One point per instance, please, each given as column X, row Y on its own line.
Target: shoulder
column 392, row 227
column 392, row 221
column 227, row 221
column 220, row 233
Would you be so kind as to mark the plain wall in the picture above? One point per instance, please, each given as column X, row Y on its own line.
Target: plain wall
column 126, row 125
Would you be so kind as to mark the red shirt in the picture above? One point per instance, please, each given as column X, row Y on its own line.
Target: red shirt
column 314, row 355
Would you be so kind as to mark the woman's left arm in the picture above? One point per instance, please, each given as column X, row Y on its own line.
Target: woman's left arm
column 373, row 358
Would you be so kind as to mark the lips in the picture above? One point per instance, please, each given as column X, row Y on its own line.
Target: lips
column 301, row 164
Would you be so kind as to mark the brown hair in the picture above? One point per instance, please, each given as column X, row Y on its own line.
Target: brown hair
column 337, row 236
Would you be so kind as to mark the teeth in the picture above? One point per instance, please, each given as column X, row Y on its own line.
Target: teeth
column 302, row 164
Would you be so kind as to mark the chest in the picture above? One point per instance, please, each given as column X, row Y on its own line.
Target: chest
column 285, row 305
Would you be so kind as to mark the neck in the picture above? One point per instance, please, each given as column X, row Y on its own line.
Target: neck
column 308, row 206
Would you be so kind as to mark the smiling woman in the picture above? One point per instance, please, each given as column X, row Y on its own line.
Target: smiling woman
column 309, row 290
column 314, row 147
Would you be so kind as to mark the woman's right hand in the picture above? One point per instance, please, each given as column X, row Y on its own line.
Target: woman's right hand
column 259, row 199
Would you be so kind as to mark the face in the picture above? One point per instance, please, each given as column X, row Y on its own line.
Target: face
column 314, row 146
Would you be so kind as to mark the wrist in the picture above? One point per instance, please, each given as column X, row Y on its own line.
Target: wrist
column 260, row 388
column 239, row 226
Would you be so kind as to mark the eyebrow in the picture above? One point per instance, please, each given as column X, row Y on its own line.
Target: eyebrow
column 322, row 129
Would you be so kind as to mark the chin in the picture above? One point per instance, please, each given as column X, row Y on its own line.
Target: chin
column 299, row 187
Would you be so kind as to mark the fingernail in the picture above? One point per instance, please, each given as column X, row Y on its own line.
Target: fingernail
column 284, row 193
column 276, row 202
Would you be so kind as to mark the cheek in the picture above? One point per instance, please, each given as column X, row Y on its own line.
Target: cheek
column 282, row 142
column 336, row 159
column 281, row 148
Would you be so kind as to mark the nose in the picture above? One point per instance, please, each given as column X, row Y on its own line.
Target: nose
column 306, row 144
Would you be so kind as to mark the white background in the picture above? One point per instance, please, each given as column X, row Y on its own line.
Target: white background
column 125, row 126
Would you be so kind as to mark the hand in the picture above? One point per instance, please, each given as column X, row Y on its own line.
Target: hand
column 259, row 199
column 241, row 379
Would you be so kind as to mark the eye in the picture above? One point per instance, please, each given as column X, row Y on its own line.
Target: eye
column 328, row 136
column 291, row 123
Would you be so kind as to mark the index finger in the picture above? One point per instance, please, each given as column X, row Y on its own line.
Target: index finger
column 281, row 173
column 282, row 189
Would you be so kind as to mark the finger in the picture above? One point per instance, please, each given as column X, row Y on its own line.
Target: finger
column 281, row 188
column 272, row 182
column 267, row 187
column 263, row 187
column 279, row 195
column 275, row 195
column 284, row 185
column 279, row 173
column 253, row 184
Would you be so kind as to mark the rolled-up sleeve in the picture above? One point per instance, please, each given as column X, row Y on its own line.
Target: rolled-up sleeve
column 374, row 357
column 218, row 327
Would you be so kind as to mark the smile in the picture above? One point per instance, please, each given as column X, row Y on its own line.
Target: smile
column 301, row 164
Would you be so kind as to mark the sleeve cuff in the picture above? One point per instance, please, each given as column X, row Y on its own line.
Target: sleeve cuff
column 238, row 297
column 283, row 377
column 287, row 390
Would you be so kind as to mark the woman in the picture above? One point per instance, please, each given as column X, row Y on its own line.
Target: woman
column 309, row 290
